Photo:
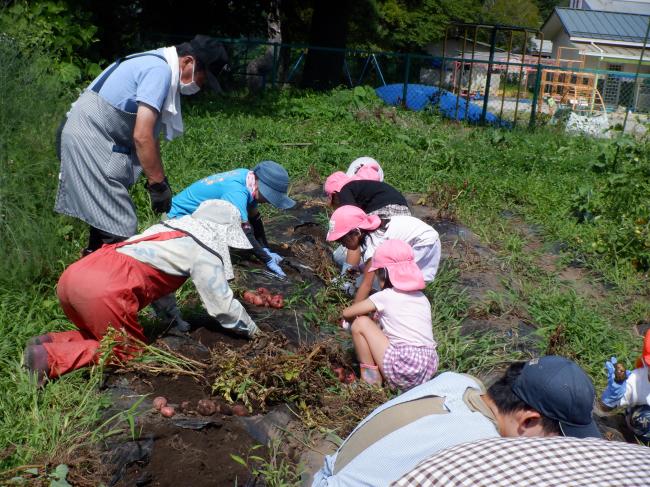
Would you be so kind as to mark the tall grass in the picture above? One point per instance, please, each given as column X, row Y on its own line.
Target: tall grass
column 32, row 100
column 35, row 247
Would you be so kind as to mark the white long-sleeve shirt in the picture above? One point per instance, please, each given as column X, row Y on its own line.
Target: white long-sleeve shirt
column 637, row 388
column 184, row 257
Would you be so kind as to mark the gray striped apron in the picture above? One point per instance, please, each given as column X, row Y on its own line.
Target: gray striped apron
column 99, row 163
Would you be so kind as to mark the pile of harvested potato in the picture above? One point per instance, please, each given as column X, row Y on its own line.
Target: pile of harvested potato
column 204, row 407
column 263, row 297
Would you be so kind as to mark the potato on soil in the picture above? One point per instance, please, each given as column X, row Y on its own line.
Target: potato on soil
column 225, row 409
column 186, row 406
column 277, row 301
column 262, row 291
column 167, row 411
column 239, row 410
column 206, row 407
column 339, row 372
column 159, row 402
column 258, row 301
column 249, row 297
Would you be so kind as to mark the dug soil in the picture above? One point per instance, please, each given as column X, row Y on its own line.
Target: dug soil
column 191, row 449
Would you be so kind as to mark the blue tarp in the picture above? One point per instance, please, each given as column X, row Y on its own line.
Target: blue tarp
column 420, row 96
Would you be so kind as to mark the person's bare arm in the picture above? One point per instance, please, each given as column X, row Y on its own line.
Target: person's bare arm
column 358, row 309
column 146, row 144
column 366, row 284
column 353, row 257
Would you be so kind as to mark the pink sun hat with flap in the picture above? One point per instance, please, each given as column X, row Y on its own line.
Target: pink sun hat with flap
column 347, row 218
column 335, row 182
column 397, row 257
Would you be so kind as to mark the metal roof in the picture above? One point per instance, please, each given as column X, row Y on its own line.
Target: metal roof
column 624, row 6
column 620, row 52
column 594, row 24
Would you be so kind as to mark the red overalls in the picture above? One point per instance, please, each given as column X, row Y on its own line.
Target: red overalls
column 105, row 288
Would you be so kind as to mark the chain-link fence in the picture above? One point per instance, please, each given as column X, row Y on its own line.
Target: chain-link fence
column 478, row 74
column 505, row 89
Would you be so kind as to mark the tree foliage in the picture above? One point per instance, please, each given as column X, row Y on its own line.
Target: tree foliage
column 522, row 13
column 410, row 25
column 54, row 27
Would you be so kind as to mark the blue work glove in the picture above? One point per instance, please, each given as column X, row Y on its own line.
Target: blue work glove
column 277, row 258
column 275, row 268
column 614, row 391
column 347, row 268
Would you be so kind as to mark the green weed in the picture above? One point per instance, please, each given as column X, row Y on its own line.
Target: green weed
column 476, row 353
column 572, row 327
column 275, row 470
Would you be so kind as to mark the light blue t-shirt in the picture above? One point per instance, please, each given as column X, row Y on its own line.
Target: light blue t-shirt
column 229, row 186
column 144, row 79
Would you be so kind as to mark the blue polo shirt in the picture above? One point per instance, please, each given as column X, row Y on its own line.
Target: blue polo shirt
column 229, row 186
column 144, row 79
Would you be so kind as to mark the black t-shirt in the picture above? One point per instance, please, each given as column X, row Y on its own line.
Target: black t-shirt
column 370, row 195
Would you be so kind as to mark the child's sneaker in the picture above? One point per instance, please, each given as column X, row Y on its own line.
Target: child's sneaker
column 370, row 374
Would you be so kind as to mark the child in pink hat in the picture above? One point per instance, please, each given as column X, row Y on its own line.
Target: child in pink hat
column 366, row 168
column 363, row 233
column 371, row 195
column 399, row 347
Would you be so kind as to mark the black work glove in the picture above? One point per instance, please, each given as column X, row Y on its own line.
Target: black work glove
column 257, row 249
column 161, row 196
column 258, row 229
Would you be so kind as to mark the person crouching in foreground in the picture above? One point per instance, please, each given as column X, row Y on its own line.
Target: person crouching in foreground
column 547, row 396
column 400, row 346
column 108, row 287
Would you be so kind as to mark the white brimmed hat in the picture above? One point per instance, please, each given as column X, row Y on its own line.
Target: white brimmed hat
column 217, row 225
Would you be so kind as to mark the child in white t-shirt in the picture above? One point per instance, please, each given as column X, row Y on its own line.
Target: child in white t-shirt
column 400, row 347
column 355, row 229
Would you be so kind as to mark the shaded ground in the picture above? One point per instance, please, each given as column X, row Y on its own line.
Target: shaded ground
column 196, row 450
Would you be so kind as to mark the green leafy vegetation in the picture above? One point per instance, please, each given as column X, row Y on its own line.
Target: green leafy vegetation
column 55, row 27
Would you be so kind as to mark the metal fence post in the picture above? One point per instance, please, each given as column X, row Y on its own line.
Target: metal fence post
column 488, row 79
column 636, row 78
column 533, row 105
column 407, row 69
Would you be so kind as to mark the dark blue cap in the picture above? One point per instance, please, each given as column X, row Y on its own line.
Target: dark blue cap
column 560, row 390
column 273, row 183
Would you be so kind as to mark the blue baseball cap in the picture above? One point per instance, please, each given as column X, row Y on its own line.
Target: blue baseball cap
column 560, row 390
column 273, row 183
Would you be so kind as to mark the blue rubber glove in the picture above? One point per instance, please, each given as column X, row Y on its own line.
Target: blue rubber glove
column 275, row 268
column 614, row 391
column 277, row 258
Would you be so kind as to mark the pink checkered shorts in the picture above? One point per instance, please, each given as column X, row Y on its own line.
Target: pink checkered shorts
column 406, row 366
